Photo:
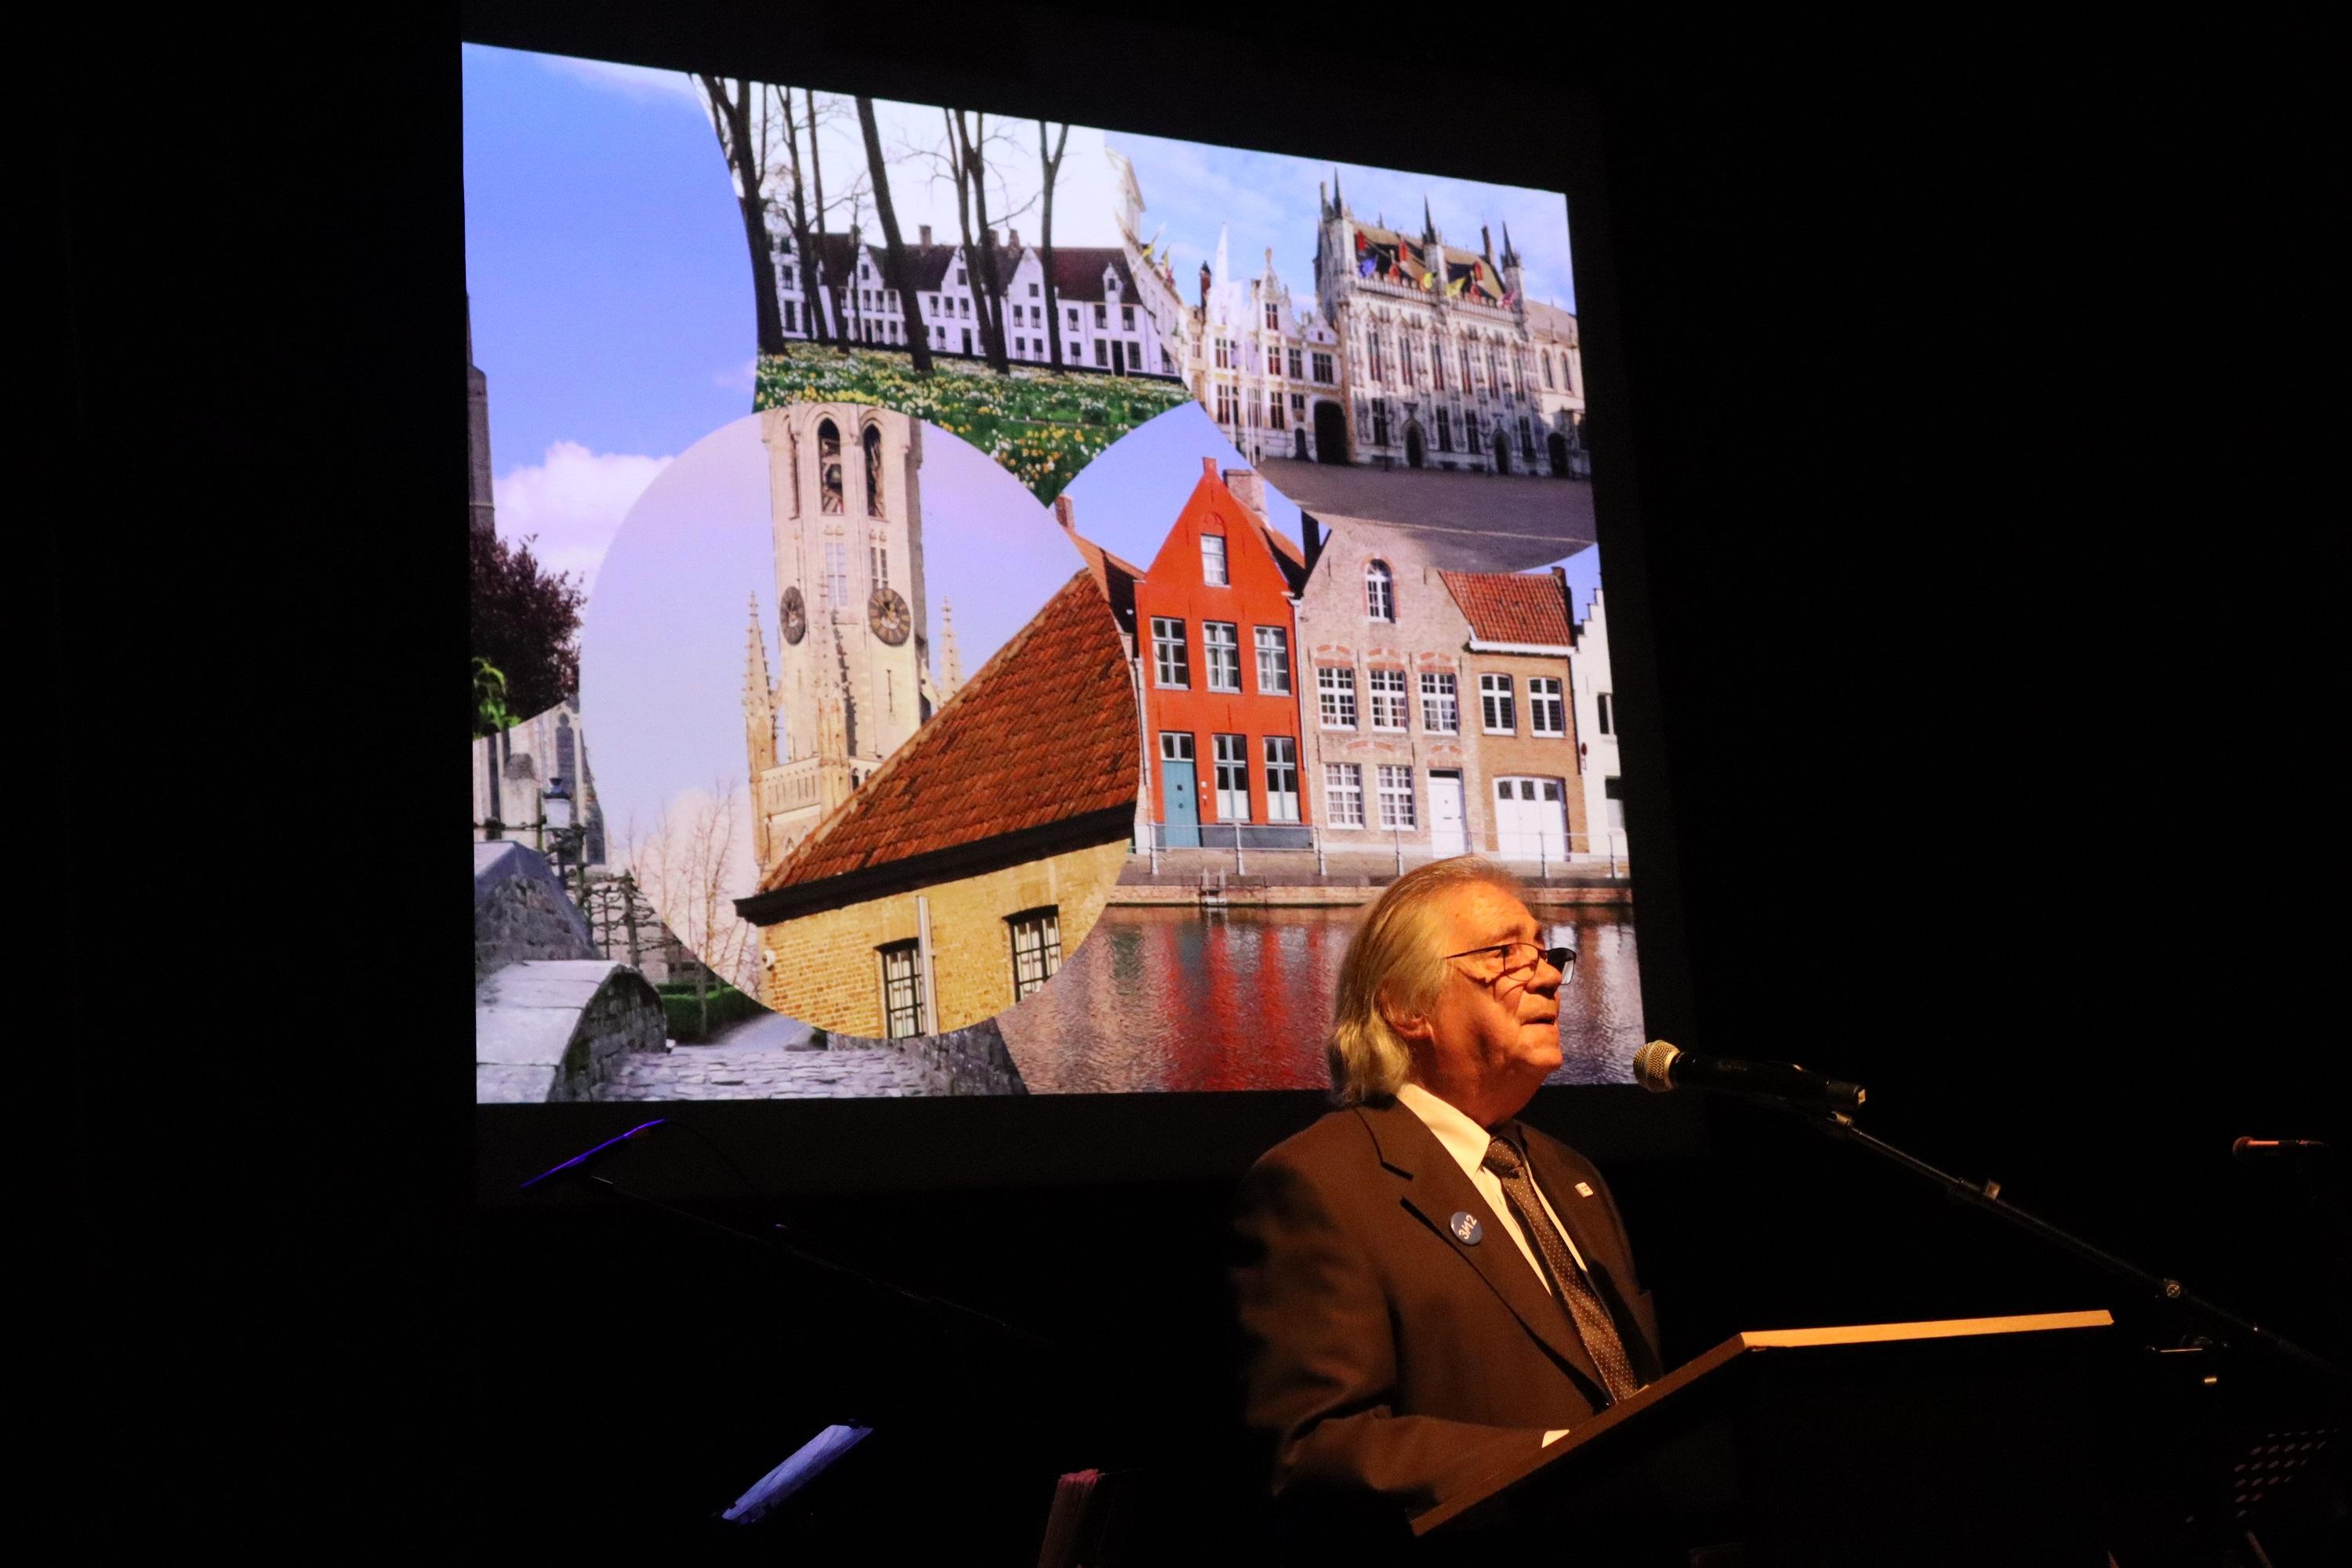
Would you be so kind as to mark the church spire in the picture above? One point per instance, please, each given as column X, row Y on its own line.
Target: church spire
column 1339, row 201
column 1510, row 256
column 1428, row 224
column 756, row 688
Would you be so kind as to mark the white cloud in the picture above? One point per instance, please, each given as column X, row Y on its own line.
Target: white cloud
column 573, row 501
column 744, row 377
column 636, row 82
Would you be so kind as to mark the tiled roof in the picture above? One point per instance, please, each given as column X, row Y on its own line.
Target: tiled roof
column 1078, row 273
column 1115, row 577
column 1045, row 733
column 1512, row 606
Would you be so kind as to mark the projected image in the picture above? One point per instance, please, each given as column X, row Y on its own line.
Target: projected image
column 1322, row 600
column 1325, row 705
column 866, row 760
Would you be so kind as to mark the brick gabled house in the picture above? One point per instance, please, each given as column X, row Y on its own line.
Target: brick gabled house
column 1217, row 635
column 956, row 877
column 1515, row 695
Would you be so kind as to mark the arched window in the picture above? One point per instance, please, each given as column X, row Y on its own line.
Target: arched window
column 873, row 471
column 1380, row 591
column 1547, row 364
column 828, row 467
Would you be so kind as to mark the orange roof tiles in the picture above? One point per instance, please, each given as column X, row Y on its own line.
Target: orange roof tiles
column 1513, row 606
column 1044, row 733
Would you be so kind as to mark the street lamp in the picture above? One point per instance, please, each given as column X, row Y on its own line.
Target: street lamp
column 555, row 813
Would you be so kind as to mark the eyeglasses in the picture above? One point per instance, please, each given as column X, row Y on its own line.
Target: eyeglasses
column 1518, row 960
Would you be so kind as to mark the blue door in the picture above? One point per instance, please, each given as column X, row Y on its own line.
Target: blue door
column 1179, row 791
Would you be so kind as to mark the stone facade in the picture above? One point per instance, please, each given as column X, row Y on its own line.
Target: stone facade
column 828, row 964
column 1414, row 354
column 1423, row 634
column 853, row 679
column 559, row 1030
column 1269, row 372
column 520, row 913
column 1539, row 748
column 512, row 769
column 1095, row 292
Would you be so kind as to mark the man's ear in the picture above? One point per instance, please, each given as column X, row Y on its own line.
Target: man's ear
column 1412, row 1027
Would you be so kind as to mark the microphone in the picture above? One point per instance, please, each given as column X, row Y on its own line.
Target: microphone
column 588, row 1157
column 2253, row 1149
column 1659, row 1067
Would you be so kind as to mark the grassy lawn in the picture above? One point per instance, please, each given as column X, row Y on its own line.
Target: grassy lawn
column 1042, row 426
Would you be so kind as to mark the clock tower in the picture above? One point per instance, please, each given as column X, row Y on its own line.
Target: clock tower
column 853, row 680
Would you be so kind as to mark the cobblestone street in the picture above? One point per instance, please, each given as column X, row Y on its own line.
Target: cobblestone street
column 764, row 1072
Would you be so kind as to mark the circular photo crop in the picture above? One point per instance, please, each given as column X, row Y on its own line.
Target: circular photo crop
column 866, row 736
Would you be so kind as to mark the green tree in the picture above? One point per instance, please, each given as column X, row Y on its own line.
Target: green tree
column 525, row 627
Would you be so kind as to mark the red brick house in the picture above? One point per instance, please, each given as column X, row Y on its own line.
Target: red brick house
column 1216, row 633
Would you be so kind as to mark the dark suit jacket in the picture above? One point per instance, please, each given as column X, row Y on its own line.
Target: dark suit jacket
column 1383, row 1355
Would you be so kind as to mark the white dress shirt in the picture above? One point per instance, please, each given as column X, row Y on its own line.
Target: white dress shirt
column 1468, row 1142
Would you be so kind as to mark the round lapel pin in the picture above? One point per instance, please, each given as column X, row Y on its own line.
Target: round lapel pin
column 1466, row 1229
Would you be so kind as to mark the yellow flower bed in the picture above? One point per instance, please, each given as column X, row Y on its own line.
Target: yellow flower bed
column 1042, row 427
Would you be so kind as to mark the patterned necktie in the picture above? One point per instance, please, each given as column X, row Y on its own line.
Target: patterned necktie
column 1584, row 1306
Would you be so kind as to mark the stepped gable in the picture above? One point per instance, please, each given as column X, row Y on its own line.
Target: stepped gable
column 1513, row 606
column 1044, row 733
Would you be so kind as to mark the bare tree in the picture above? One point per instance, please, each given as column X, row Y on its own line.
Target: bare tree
column 691, row 867
column 743, row 139
column 1050, row 166
column 895, row 272
column 969, row 143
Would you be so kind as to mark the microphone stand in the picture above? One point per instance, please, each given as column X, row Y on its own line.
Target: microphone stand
column 1987, row 1196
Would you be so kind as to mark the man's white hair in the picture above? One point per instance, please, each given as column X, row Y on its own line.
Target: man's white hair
column 1393, row 968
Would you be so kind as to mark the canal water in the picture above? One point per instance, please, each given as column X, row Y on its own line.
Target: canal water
column 1178, row 999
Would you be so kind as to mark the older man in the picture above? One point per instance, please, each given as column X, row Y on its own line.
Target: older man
column 1427, row 1288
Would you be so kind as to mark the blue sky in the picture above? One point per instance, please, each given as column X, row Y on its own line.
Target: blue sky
column 1267, row 200
column 611, row 293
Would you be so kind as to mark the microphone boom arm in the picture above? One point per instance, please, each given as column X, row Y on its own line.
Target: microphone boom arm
column 1987, row 1196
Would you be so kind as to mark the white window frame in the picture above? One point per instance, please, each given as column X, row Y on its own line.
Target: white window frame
column 1494, row 688
column 1441, row 697
column 1215, row 569
column 1379, row 593
column 1273, row 660
column 1335, row 696
column 1043, row 960
column 1230, row 759
column 1545, row 702
column 1387, row 690
column 911, row 978
column 1343, row 795
column 1399, row 809
column 1281, row 778
column 1221, row 655
column 1169, row 654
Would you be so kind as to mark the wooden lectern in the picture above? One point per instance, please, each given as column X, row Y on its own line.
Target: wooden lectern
column 1966, row 1441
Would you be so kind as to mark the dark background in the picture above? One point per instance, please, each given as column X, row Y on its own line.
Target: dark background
column 1964, row 447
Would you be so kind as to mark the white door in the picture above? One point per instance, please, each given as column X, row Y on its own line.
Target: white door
column 1530, row 819
column 1446, row 835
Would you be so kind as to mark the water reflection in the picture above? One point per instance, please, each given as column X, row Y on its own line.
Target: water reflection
column 1174, row 999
